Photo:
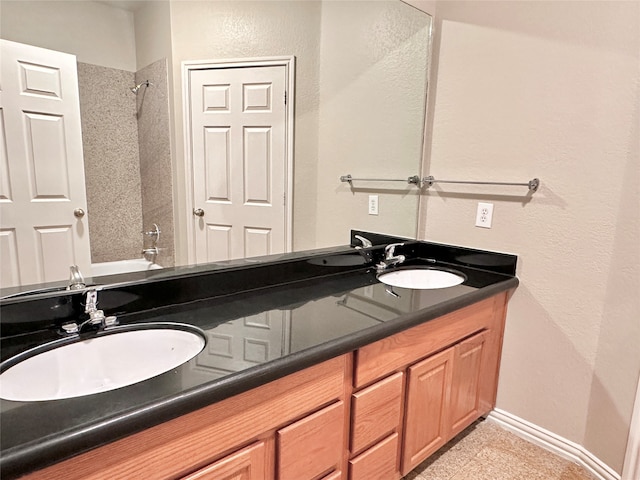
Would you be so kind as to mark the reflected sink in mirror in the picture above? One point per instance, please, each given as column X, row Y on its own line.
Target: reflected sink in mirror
column 422, row 278
column 115, row 358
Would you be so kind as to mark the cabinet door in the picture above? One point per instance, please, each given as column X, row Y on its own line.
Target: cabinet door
column 465, row 392
column 427, row 425
column 247, row 464
column 376, row 412
column 380, row 462
column 312, row 446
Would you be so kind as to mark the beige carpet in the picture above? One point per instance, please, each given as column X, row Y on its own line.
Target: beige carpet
column 486, row 451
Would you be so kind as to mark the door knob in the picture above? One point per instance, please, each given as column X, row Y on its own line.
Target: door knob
column 198, row 212
column 78, row 213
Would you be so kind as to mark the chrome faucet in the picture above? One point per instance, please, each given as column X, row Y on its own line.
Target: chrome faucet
column 366, row 243
column 96, row 316
column 365, row 249
column 390, row 257
column 76, row 280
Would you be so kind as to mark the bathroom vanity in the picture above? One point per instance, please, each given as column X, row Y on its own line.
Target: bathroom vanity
column 312, row 369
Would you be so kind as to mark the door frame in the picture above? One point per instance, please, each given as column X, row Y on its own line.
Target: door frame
column 192, row 65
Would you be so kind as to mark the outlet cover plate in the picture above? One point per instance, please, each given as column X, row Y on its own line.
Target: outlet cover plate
column 484, row 215
column 373, row 204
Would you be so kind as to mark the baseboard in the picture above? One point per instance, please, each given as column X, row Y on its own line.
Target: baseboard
column 553, row 443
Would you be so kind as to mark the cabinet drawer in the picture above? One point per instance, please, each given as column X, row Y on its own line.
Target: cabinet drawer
column 312, row 446
column 376, row 412
column 380, row 462
column 333, row 476
column 247, row 464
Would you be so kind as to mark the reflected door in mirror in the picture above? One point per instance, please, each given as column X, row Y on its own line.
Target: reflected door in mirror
column 238, row 138
column 42, row 199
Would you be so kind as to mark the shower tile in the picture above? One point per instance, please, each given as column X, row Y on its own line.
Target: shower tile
column 112, row 165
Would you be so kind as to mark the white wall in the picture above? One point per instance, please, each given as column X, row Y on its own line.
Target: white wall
column 549, row 89
column 94, row 32
column 152, row 22
column 373, row 72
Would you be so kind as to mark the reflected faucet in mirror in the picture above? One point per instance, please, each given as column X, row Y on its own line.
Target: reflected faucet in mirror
column 76, row 279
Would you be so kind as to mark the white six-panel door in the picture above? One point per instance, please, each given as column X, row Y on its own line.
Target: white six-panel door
column 238, row 139
column 41, row 166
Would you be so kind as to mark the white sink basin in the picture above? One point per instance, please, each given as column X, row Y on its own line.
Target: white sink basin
column 115, row 358
column 421, row 278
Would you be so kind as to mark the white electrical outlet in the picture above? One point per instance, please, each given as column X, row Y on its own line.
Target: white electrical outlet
column 484, row 215
column 373, row 204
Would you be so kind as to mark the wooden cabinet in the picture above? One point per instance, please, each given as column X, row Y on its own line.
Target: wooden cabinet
column 197, row 440
column 250, row 463
column 451, row 366
column 442, row 398
column 370, row 414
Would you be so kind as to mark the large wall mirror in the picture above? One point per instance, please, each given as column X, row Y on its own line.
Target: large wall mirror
column 360, row 83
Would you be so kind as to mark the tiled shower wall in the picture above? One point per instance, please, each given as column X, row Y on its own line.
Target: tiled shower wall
column 155, row 156
column 112, row 164
column 127, row 160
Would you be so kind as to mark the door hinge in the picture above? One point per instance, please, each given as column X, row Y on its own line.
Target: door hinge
column 285, row 97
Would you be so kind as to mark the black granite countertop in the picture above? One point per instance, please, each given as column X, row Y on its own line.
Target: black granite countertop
column 298, row 311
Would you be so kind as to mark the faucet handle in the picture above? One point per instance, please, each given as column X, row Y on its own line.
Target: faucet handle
column 390, row 250
column 366, row 243
column 91, row 301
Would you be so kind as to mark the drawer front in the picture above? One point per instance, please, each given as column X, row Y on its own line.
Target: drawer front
column 246, row 464
column 333, row 476
column 376, row 412
column 313, row 445
column 380, row 462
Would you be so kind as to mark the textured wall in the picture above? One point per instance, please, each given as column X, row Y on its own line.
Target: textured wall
column 154, row 138
column 112, row 165
column 95, row 32
column 549, row 89
column 373, row 71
